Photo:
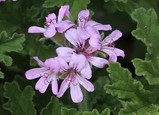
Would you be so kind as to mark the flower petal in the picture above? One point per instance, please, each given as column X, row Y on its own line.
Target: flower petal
column 76, row 93
column 117, row 51
column 85, row 83
column 82, row 33
column 65, row 53
column 40, row 63
column 86, row 72
column 36, row 29
column 72, row 37
column 50, row 31
column 63, row 64
column 111, row 54
column 63, row 11
column 64, row 86
column 95, row 41
column 42, row 84
column 98, row 62
column 77, row 62
column 83, row 17
column 54, row 84
column 64, row 25
column 98, row 26
column 115, row 35
column 36, row 72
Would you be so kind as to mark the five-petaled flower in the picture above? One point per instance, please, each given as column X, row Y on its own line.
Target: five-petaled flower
column 54, row 24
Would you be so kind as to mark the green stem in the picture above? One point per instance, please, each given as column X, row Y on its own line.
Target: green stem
column 83, row 106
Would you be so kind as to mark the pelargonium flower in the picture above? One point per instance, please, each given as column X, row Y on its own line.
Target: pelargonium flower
column 89, row 29
column 80, row 47
column 108, row 46
column 54, row 24
column 47, row 73
column 2, row 0
column 76, row 74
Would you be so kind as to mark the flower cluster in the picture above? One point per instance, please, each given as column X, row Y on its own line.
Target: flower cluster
column 84, row 48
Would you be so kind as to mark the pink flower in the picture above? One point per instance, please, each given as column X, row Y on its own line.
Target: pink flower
column 54, row 24
column 108, row 46
column 47, row 73
column 76, row 74
column 80, row 47
column 89, row 29
column 2, row 0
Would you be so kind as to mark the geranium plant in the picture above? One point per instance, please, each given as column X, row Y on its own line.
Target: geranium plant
column 79, row 57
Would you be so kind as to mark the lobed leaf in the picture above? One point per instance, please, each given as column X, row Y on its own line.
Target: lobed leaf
column 20, row 102
column 10, row 44
column 53, row 107
column 131, row 92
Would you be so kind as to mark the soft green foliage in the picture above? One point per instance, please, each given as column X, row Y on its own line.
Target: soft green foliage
column 20, row 102
column 147, row 32
column 53, row 108
column 134, row 98
column 10, row 44
column 66, row 111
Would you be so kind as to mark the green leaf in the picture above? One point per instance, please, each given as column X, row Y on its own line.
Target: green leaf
column 53, row 107
column 10, row 44
column 106, row 111
column 77, row 6
column 20, row 102
column 94, row 112
column 1, row 75
column 148, row 70
column 147, row 32
column 35, row 47
column 53, row 3
column 72, row 111
column 129, row 91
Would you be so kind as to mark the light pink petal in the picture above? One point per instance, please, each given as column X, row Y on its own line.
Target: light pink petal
column 86, row 72
column 36, row 29
column 63, row 64
column 50, row 19
column 98, row 62
column 117, row 51
column 42, row 84
column 95, row 41
column 50, row 31
column 98, row 26
column 76, row 93
column 115, row 35
column 36, row 72
column 64, row 86
column 64, row 25
column 77, row 62
column 65, row 53
column 63, row 11
column 72, row 37
column 40, row 63
column 85, row 83
column 111, row 54
column 82, row 33
column 53, row 65
column 83, row 17
column 54, row 84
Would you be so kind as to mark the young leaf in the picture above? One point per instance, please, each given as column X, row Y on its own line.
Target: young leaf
column 130, row 91
column 20, row 102
column 10, row 44
column 94, row 112
column 53, row 107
